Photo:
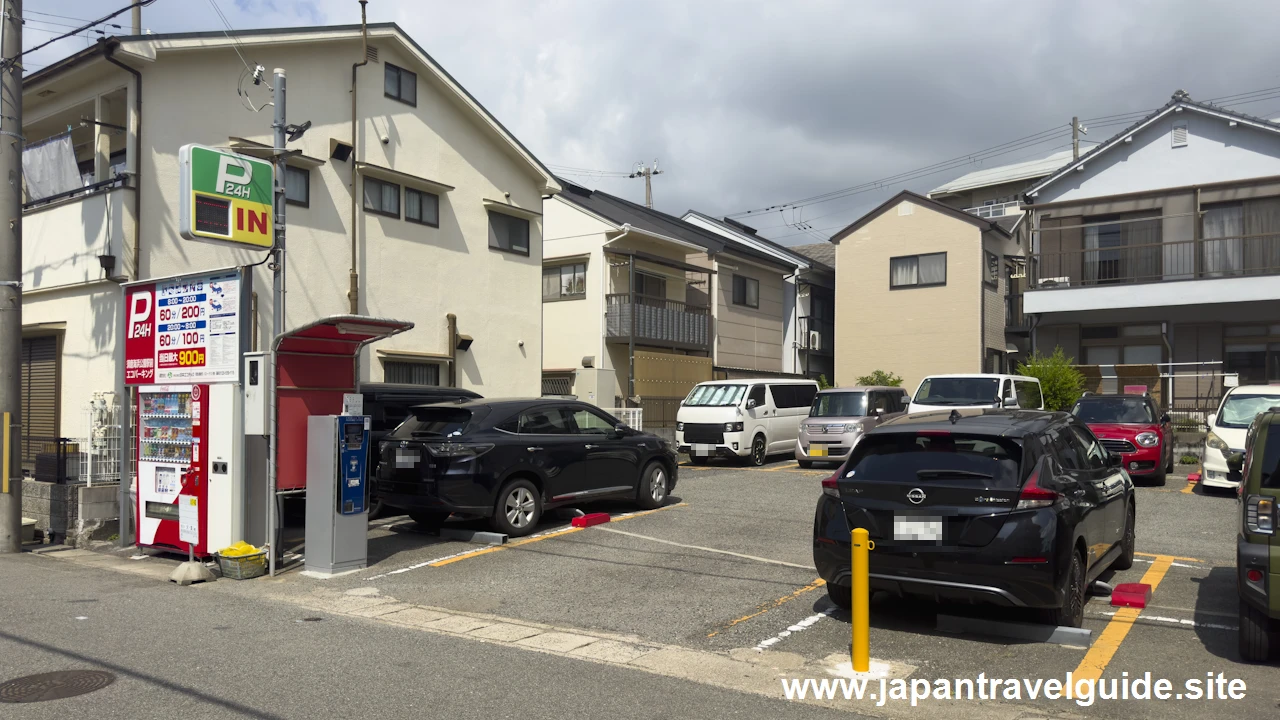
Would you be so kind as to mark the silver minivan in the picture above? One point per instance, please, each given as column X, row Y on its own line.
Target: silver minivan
column 838, row 418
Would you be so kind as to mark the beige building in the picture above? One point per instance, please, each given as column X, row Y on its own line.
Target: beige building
column 440, row 206
column 919, row 290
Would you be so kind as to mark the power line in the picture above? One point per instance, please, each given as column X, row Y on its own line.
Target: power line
column 14, row 60
column 235, row 41
column 52, row 15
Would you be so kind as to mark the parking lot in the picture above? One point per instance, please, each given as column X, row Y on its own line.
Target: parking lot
column 726, row 567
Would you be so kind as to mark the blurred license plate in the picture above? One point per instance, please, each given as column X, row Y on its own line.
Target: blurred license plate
column 817, row 451
column 406, row 458
column 702, row 450
column 917, row 527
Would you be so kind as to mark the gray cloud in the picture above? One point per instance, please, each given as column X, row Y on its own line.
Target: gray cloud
column 751, row 104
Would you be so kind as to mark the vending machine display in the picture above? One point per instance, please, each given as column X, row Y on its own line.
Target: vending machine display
column 182, row 455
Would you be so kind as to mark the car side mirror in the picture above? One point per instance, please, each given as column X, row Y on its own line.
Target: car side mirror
column 1165, row 419
column 751, row 403
column 1235, row 462
column 621, row 430
column 1114, row 460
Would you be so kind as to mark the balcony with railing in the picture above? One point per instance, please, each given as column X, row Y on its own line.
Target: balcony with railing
column 816, row 335
column 995, row 210
column 657, row 321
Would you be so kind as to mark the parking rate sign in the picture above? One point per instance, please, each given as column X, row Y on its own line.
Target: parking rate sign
column 183, row 330
column 225, row 196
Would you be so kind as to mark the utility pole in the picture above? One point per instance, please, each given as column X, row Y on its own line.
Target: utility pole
column 136, row 16
column 646, row 172
column 277, row 305
column 1075, row 138
column 11, row 279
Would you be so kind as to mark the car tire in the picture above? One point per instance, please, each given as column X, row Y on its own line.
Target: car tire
column 655, row 483
column 805, row 464
column 696, row 460
column 1071, row 614
column 1161, row 477
column 840, row 596
column 1168, row 467
column 429, row 519
column 1125, row 561
column 518, row 508
column 759, row 451
column 1257, row 639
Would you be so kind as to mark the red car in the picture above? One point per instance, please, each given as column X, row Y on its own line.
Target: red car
column 1132, row 427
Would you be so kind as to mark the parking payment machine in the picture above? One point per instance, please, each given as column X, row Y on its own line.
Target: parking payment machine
column 337, row 495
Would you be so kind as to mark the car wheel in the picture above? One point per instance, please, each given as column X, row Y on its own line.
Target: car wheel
column 1125, row 561
column 1071, row 614
column 654, row 484
column 840, row 595
column 805, row 464
column 1257, row 639
column 1168, row 467
column 429, row 519
column 759, row 451
column 518, row 508
column 696, row 460
column 1161, row 477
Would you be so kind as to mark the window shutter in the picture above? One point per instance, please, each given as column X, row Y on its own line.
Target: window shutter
column 1180, row 135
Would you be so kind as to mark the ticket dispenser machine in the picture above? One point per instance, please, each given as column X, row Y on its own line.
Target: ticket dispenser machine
column 337, row 495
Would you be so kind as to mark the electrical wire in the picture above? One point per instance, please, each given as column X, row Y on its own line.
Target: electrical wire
column 52, row 15
column 10, row 62
column 235, row 41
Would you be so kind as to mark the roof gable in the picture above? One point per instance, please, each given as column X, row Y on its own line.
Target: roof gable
column 622, row 212
column 1221, row 146
column 924, row 202
column 745, row 237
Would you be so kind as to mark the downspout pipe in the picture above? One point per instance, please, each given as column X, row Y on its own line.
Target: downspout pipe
column 353, row 294
column 108, row 50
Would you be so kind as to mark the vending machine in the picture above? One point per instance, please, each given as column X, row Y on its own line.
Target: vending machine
column 190, row 481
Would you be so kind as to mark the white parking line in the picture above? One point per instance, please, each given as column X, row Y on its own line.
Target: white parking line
column 706, row 549
column 801, row 626
column 1174, row 564
column 1180, row 622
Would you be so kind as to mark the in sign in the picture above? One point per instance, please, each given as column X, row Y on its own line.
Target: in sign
column 225, row 196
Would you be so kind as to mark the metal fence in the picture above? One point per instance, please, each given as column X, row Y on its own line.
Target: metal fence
column 100, row 450
column 633, row 417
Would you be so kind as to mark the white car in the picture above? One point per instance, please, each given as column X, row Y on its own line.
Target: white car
column 1228, row 427
column 975, row 391
column 748, row 418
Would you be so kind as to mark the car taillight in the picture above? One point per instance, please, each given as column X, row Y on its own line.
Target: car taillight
column 457, row 450
column 829, row 487
column 1033, row 496
column 1260, row 514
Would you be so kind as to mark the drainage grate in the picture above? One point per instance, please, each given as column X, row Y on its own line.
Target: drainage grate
column 54, row 685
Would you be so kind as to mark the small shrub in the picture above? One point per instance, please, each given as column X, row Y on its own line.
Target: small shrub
column 1061, row 383
column 823, row 383
column 880, row 377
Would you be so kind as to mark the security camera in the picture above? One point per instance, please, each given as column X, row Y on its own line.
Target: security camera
column 386, row 140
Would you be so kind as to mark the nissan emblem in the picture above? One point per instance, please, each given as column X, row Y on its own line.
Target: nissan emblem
column 915, row 495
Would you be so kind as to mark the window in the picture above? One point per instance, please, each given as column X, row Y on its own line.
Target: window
column 716, row 395
column 422, row 207
column 382, row 198
column 756, row 394
column 651, row 286
column 508, row 233
column 1029, row 395
column 1122, row 248
column 297, row 186
column 591, row 423
column 400, row 84
column 746, row 291
column 839, row 404
column 546, row 421
column 564, row 282
column 1093, row 451
column 1067, row 449
column 411, row 373
column 918, row 271
column 991, row 271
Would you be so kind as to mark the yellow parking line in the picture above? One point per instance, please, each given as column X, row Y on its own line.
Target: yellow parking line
column 1190, row 488
column 1099, row 656
column 540, row 538
column 771, row 605
column 1171, row 557
column 792, row 466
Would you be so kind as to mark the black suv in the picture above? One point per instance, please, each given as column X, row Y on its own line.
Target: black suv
column 1257, row 544
column 1022, row 508
column 508, row 460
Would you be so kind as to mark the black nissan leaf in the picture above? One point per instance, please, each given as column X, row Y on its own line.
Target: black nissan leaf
column 1014, row 507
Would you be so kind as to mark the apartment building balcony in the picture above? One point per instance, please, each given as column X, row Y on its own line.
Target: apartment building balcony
column 816, row 335
column 657, row 321
column 1183, row 272
column 995, row 210
column 78, row 237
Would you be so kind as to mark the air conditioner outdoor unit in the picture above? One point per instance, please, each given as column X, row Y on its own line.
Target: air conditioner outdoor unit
column 815, row 339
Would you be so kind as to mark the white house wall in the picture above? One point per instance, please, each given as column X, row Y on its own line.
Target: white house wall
column 1214, row 153
column 90, row 316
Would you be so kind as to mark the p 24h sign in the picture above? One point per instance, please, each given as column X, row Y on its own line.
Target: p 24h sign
column 225, row 196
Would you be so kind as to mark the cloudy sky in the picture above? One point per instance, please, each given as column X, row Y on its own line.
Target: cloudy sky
column 748, row 105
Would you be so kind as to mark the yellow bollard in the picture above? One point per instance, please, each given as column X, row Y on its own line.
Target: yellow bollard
column 860, row 583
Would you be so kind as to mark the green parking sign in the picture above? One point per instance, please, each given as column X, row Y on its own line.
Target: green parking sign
column 225, row 196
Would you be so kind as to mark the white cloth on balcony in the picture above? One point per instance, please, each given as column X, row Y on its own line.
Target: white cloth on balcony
column 49, row 168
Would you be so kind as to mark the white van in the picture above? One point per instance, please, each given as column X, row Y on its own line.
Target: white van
column 978, row 390
column 750, row 418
